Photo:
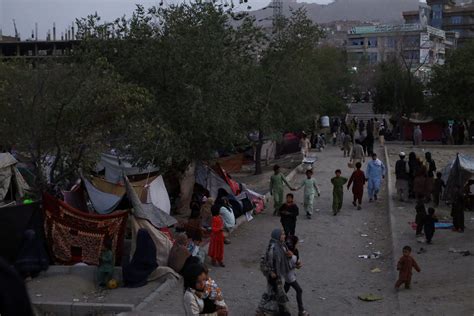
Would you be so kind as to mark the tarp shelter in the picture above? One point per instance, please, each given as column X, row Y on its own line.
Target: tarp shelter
column 104, row 203
column 148, row 211
column 431, row 130
column 12, row 184
column 116, row 166
column 232, row 163
column 74, row 236
column 14, row 220
column 210, row 180
column 458, row 173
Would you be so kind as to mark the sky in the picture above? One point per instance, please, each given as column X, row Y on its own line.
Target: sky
column 64, row 12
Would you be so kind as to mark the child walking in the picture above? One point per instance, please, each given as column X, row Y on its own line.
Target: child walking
column 429, row 225
column 438, row 187
column 216, row 244
column 337, row 192
column 289, row 213
column 290, row 277
column 357, row 179
column 310, row 190
column 405, row 266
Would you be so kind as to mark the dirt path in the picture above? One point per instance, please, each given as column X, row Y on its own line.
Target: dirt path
column 333, row 275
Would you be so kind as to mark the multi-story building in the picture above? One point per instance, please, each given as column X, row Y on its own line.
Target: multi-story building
column 418, row 46
column 446, row 15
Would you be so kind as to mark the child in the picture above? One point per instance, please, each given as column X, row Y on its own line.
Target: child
column 438, row 188
column 358, row 179
column 310, row 189
column 420, row 216
column 105, row 270
column 429, row 225
column 212, row 292
column 289, row 213
column 405, row 266
column 338, row 192
column 194, row 248
column 216, row 244
column 290, row 277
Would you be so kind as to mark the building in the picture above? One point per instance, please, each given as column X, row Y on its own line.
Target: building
column 336, row 31
column 446, row 15
column 419, row 46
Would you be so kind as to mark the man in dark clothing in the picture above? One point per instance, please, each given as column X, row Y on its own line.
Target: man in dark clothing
column 403, row 176
column 420, row 216
column 289, row 213
column 429, row 224
column 457, row 211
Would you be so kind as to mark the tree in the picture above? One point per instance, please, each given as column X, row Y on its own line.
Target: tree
column 61, row 115
column 452, row 85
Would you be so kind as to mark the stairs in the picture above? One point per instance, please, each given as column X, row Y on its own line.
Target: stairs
column 363, row 111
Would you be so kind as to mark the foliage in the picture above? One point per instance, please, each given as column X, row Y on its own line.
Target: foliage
column 61, row 115
column 452, row 85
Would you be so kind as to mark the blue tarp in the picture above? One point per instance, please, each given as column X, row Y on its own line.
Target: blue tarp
column 103, row 203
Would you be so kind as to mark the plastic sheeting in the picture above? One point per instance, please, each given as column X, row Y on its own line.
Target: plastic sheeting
column 104, row 203
column 8, row 174
column 116, row 167
column 158, row 195
column 210, row 180
column 148, row 211
column 460, row 171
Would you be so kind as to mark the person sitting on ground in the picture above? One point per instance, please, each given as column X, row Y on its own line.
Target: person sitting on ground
column 194, row 284
column 143, row 263
column 405, row 266
column 289, row 213
column 357, row 179
column 179, row 253
column 105, row 271
column 429, row 225
column 32, row 257
column 290, row 278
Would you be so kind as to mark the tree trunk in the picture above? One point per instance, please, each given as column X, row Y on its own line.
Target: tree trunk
column 186, row 186
column 258, row 153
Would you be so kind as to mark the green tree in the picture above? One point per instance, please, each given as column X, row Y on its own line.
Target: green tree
column 61, row 115
column 452, row 85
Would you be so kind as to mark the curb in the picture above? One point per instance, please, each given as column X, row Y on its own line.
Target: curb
column 166, row 286
column 79, row 308
column 391, row 217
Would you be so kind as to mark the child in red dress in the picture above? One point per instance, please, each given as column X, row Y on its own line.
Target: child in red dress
column 405, row 266
column 216, row 245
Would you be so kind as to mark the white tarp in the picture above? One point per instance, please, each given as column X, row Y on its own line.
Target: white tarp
column 9, row 173
column 116, row 167
column 158, row 195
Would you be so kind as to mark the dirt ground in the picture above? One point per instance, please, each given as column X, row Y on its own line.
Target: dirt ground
column 446, row 284
column 332, row 276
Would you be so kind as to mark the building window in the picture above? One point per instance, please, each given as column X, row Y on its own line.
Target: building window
column 372, row 42
column 372, row 58
column 390, row 42
column 357, row 41
column 412, row 55
column 456, row 20
column 411, row 41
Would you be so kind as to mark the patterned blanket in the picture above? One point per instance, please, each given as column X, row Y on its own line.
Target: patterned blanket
column 74, row 236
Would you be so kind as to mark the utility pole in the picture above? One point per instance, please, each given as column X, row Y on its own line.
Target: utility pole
column 16, row 31
column 277, row 6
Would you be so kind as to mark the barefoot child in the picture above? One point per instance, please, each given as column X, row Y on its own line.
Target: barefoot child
column 358, row 181
column 405, row 266
column 310, row 190
column 338, row 192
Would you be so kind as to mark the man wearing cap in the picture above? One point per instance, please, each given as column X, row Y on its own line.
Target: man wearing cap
column 375, row 173
column 402, row 174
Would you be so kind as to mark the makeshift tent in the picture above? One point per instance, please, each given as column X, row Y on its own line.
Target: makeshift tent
column 103, row 203
column 234, row 185
column 232, row 163
column 458, row 173
column 431, row 129
column 148, row 211
column 119, row 188
column 116, row 166
column 158, row 195
column 74, row 236
column 76, row 197
column 12, row 184
column 14, row 220
column 210, row 180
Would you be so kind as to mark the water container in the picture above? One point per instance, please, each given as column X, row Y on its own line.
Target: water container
column 325, row 121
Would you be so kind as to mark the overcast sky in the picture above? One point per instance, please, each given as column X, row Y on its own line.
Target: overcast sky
column 64, row 12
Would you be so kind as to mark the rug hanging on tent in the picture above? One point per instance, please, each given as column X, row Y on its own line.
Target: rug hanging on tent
column 74, row 236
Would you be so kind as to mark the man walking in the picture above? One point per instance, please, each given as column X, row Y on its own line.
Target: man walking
column 276, row 188
column 357, row 154
column 402, row 174
column 375, row 173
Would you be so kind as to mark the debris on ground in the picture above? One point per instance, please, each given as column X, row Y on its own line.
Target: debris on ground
column 370, row 297
column 375, row 270
column 374, row 255
column 422, row 250
column 364, row 235
column 462, row 252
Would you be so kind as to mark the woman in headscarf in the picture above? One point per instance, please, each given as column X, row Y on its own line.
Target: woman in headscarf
column 275, row 265
column 32, row 258
column 179, row 253
column 431, row 171
column 143, row 263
